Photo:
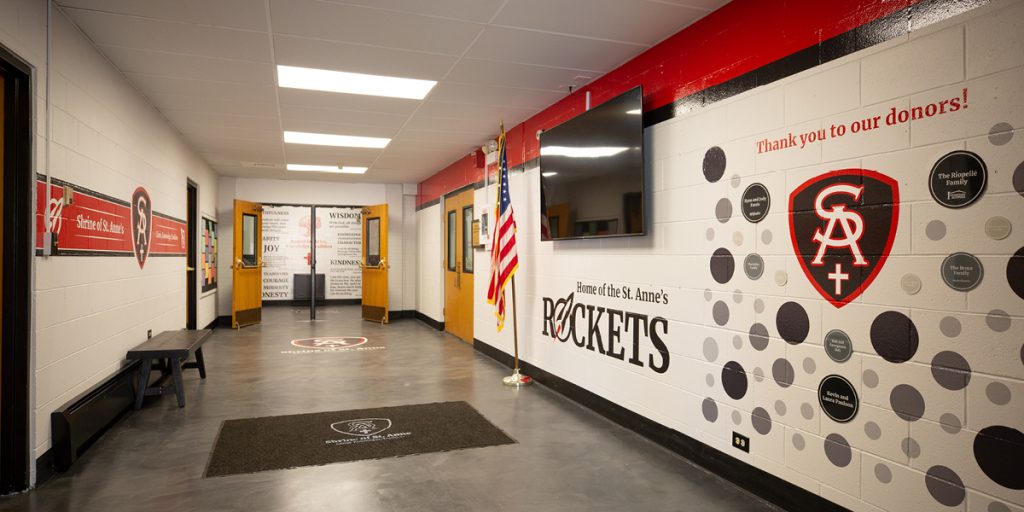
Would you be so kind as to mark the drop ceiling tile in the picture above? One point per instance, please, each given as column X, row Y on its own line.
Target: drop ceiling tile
column 534, row 99
column 242, row 14
column 312, row 53
column 354, row 102
column 469, row 10
column 306, row 154
column 164, row 36
column 417, row 162
column 480, row 126
column 184, row 118
column 175, row 65
column 508, row 74
column 337, row 22
column 707, row 5
column 449, row 146
column 470, row 111
column 538, row 48
column 203, row 131
column 636, row 21
column 241, row 153
column 292, row 115
column 469, row 138
column 153, row 84
column 198, row 104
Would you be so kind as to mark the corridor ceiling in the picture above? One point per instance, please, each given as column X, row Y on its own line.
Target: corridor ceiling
column 209, row 66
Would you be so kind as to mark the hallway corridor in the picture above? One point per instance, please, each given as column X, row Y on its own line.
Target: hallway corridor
column 567, row 458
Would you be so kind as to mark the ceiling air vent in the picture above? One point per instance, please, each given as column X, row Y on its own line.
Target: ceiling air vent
column 262, row 165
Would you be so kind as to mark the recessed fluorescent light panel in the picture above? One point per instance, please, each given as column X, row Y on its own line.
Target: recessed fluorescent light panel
column 326, row 139
column 353, row 83
column 327, row 168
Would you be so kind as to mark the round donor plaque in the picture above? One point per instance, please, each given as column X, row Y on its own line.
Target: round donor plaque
column 962, row 272
column 755, row 202
column 753, row 266
column 838, row 346
column 958, row 179
column 838, row 399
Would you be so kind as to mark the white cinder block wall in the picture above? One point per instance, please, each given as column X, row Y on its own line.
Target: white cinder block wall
column 430, row 266
column 879, row 460
column 106, row 137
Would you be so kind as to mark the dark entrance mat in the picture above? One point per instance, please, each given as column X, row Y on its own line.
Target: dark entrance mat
column 281, row 442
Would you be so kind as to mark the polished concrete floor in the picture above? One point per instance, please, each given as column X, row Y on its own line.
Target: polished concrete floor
column 567, row 457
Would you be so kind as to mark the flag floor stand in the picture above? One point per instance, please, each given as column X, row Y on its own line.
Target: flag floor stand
column 516, row 379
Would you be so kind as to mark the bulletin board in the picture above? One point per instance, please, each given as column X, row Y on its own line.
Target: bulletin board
column 208, row 255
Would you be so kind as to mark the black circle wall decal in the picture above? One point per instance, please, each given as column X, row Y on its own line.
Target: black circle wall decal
column 1018, row 179
column 906, row 401
column 758, row 337
column 714, row 164
column 838, row 451
column 958, row 179
column 722, row 265
column 945, row 486
column 792, row 323
column 734, row 380
column 755, row 203
column 962, row 271
column 838, row 398
column 950, row 370
column 1015, row 272
column 894, row 337
column 999, row 451
column 761, row 421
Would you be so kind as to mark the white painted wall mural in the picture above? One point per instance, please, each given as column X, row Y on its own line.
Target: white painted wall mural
column 286, row 251
column 835, row 271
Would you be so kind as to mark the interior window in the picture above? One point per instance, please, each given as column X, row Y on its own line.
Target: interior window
column 467, row 239
column 452, row 243
column 373, row 242
column 248, row 240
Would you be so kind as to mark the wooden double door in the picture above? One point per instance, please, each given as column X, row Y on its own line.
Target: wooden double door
column 459, row 265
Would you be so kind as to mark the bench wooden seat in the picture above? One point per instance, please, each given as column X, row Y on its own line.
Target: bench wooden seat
column 174, row 347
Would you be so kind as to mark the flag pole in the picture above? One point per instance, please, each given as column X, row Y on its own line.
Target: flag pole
column 517, row 379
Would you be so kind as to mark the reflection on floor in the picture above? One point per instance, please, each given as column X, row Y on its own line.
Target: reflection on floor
column 567, row 458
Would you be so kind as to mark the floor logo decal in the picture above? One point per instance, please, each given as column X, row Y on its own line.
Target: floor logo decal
column 364, row 430
column 843, row 224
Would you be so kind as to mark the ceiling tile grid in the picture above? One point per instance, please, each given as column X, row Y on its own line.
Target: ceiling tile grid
column 210, row 68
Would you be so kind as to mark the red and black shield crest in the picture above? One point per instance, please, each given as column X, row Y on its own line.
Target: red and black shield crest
column 142, row 224
column 842, row 225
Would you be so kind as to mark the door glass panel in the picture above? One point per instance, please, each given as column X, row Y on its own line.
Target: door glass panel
column 452, row 242
column 248, row 239
column 467, row 239
column 373, row 242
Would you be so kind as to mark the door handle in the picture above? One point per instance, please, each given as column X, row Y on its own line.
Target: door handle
column 190, row 269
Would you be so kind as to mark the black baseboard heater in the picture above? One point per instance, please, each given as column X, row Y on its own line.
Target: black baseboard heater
column 79, row 423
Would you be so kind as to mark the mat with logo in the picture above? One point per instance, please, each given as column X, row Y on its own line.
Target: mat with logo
column 280, row 442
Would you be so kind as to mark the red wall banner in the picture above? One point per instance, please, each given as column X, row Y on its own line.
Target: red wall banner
column 98, row 225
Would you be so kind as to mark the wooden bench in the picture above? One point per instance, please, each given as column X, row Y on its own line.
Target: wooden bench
column 174, row 347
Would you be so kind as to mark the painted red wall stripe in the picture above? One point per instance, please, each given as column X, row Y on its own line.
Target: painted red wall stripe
column 740, row 37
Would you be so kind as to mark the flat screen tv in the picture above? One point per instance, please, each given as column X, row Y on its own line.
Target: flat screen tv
column 592, row 172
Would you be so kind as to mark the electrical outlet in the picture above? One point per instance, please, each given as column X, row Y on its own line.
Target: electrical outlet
column 741, row 442
column 149, row 334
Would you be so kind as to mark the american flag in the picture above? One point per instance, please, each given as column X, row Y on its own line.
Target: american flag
column 504, row 258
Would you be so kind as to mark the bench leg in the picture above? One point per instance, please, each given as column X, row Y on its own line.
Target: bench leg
column 147, row 364
column 200, row 364
column 179, row 388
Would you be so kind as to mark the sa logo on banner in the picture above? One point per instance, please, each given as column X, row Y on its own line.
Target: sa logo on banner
column 842, row 225
column 142, row 224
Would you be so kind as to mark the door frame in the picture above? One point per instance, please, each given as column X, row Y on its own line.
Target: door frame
column 18, row 234
column 192, row 276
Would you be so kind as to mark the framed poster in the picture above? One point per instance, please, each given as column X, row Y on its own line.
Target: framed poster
column 208, row 255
